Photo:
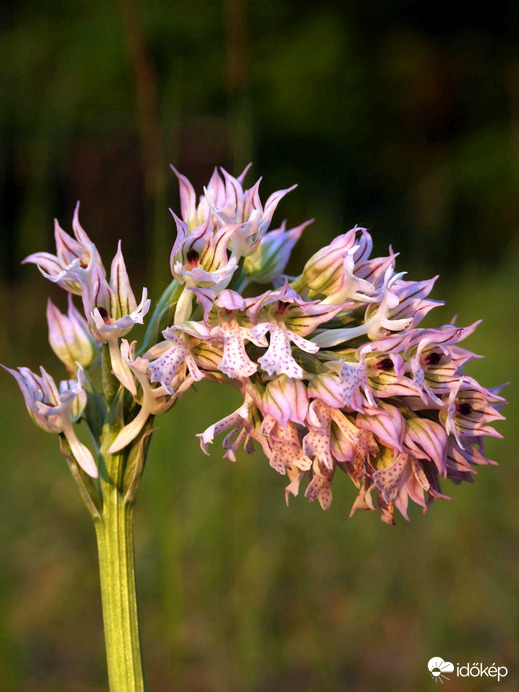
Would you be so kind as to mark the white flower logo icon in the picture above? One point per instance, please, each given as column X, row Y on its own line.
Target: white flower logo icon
column 439, row 667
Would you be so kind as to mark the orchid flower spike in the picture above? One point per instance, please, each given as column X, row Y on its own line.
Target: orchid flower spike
column 335, row 373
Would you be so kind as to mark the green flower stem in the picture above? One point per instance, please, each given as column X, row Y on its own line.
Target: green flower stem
column 114, row 529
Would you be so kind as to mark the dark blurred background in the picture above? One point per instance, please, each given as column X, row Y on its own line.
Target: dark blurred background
column 402, row 117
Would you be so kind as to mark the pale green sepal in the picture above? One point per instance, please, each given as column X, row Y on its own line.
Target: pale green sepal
column 88, row 488
column 136, row 462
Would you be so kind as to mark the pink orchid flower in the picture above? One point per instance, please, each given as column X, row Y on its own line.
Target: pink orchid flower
column 56, row 409
column 75, row 257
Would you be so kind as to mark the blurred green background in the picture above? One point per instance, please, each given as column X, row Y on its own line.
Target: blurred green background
column 399, row 116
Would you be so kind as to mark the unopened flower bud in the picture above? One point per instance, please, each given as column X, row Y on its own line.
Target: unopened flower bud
column 285, row 400
column 332, row 271
column 269, row 260
column 70, row 337
column 323, row 271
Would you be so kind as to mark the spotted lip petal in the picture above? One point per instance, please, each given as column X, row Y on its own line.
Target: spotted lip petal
column 235, row 362
column 320, row 488
column 166, row 366
column 402, row 479
column 284, row 448
column 278, row 357
column 317, row 442
column 224, row 313
column 235, row 419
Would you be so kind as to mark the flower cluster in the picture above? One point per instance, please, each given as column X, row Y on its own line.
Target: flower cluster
column 335, row 372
